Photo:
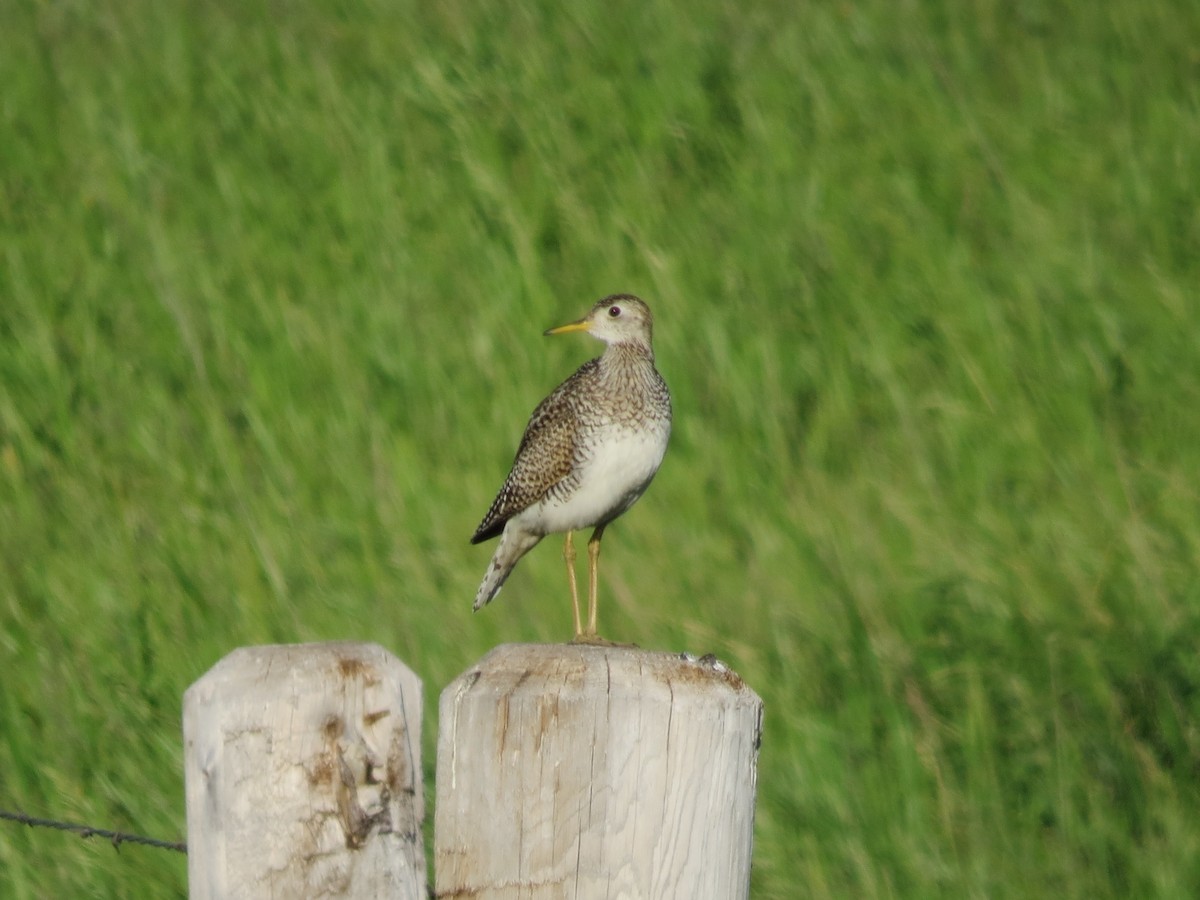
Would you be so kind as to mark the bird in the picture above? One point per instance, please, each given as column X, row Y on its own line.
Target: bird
column 588, row 453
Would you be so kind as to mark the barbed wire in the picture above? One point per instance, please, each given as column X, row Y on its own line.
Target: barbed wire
column 87, row 831
column 117, row 837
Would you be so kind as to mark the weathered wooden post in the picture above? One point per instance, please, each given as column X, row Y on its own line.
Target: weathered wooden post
column 303, row 773
column 580, row 771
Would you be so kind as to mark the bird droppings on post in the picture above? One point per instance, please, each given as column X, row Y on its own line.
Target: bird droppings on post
column 709, row 663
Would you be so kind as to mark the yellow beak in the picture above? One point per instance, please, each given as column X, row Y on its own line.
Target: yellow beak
column 581, row 325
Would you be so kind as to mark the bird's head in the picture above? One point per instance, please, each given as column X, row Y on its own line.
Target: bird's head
column 617, row 319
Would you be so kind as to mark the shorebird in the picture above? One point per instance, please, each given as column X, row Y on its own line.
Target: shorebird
column 588, row 452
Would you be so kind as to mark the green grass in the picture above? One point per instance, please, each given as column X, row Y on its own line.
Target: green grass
column 272, row 282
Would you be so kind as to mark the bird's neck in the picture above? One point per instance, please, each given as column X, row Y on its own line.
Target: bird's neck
column 627, row 353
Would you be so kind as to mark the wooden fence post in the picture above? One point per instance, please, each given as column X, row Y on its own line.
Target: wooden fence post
column 303, row 773
column 578, row 771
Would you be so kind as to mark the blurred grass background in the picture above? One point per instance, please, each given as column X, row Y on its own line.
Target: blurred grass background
column 272, row 284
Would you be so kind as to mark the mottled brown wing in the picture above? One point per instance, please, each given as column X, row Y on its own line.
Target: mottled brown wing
column 544, row 458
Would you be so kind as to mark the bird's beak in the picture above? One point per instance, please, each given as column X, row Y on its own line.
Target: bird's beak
column 580, row 325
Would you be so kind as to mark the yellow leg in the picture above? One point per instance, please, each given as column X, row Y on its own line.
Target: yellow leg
column 569, row 557
column 593, row 566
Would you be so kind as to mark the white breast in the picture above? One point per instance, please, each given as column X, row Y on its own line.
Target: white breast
column 609, row 482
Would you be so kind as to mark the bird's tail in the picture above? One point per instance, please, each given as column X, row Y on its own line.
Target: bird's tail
column 514, row 543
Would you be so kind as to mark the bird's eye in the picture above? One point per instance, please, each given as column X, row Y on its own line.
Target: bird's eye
column 614, row 311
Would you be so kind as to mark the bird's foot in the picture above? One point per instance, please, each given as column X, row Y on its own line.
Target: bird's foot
column 594, row 640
